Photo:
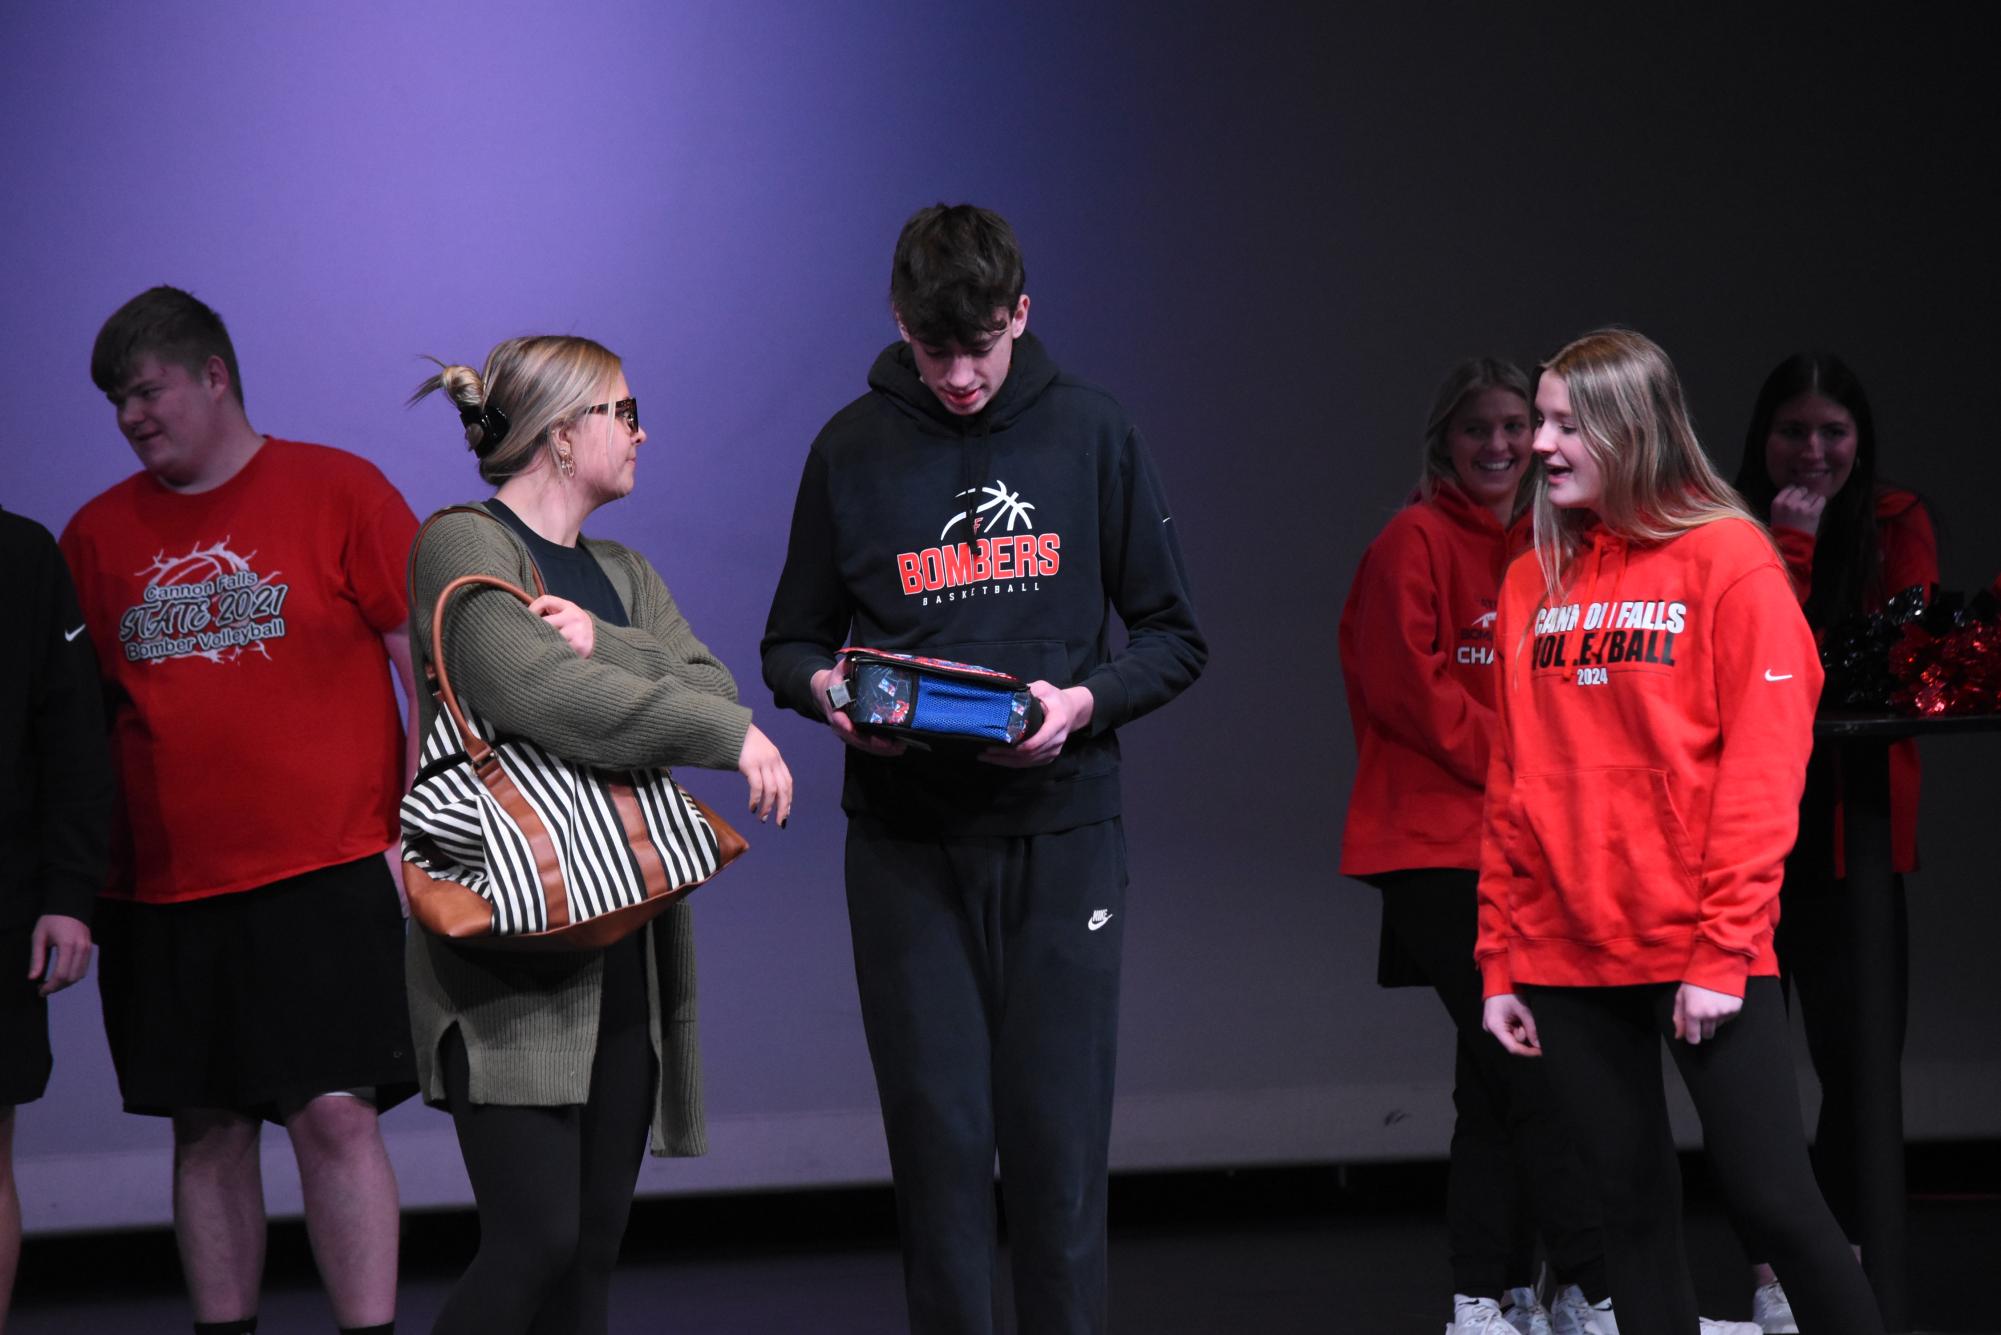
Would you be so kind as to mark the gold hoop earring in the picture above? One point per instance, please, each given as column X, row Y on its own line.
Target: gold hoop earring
column 565, row 464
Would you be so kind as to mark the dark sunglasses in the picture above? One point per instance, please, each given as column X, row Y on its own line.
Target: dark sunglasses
column 625, row 410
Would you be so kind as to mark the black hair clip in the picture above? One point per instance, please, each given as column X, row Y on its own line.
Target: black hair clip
column 492, row 423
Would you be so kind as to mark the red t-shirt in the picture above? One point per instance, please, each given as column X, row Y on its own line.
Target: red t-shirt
column 239, row 631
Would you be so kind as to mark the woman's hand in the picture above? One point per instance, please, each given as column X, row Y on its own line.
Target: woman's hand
column 1699, row 1012
column 843, row 726
column 1798, row 507
column 1507, row 1018
column 770, row 780
column 573, row 623
column 1063, row 712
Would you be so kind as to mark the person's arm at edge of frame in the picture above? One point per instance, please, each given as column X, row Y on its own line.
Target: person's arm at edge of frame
column 76, row 790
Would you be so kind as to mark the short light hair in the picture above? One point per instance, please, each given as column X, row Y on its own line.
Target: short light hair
column 539, row 383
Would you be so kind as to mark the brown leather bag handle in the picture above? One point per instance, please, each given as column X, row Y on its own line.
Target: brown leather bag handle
column 485, row 761
column 477, row 751
column 431, row 667
column 491, row 518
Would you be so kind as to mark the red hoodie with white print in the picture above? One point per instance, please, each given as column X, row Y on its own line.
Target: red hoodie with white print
column 1654, row 724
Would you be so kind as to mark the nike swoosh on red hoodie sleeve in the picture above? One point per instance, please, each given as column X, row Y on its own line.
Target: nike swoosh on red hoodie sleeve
column 1767, row 680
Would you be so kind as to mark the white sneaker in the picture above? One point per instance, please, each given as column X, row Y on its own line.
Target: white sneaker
column 1477, row 1316
column 1569, row 1314
column 1772, row 1312
column 1525, row 1312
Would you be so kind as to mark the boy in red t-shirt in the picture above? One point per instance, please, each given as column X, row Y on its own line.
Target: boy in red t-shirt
column 246, row 597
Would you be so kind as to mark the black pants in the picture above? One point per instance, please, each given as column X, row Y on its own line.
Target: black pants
column 554, row 1185
column 989, row 979
column 1514, row 1169
column 1602, row 1045
column 1817, row 945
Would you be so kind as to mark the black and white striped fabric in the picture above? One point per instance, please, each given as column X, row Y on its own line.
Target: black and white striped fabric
column 455, row 830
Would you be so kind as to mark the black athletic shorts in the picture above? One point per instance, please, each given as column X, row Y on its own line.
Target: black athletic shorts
column 259, row 1001
column 24, row 1022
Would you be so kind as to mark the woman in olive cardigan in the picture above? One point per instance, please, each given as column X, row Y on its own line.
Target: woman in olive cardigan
column 555, row 1066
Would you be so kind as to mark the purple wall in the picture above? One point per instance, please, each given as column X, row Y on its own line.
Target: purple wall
column 1268, row 242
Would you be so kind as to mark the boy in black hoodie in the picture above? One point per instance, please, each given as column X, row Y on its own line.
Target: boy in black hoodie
column 979, row 505
column 55, row 828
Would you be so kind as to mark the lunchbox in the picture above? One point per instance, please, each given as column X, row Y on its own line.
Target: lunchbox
column 934, row 699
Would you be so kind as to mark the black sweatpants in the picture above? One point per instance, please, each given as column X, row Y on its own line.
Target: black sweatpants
column 1514, row 1170
column 1817, row 947
column 1602, row 1046
column 989, row 978
column 553, row 1185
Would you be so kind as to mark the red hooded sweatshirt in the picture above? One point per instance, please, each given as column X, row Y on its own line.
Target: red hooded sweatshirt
column 1910, row 556
column 1417, row 657
column 1654, row 727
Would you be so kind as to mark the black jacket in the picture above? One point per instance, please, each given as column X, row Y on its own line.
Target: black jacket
column 1005, row 539
column 56, row 788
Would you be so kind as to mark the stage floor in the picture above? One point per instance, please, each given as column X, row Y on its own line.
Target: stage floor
column 1298, row 1251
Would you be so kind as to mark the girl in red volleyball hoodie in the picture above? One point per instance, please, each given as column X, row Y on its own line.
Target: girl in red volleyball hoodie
column 1417, row 657
column 1655, row 714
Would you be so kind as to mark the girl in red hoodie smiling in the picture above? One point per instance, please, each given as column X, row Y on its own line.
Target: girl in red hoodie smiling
column 1850, row 542
column 1417, row 657
column 1655, row 714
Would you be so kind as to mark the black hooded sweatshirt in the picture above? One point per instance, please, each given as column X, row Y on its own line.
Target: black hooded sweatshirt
column 56, row 785
column 1007, row 539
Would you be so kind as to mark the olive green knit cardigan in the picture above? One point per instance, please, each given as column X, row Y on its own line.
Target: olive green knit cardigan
column 649, row 694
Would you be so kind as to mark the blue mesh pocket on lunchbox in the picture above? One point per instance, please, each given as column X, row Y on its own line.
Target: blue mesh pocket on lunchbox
column 963, row 707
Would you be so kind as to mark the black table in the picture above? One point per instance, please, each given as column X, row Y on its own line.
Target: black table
column 1862, row 741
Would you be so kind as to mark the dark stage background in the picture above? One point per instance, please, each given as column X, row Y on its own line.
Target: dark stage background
column 1268, row 230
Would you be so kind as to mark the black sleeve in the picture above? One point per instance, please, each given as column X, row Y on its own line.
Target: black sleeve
column 1147, row 582
column 810, row 610
column 71, row 753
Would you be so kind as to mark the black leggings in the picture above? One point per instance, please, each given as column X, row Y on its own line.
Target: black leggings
column 554, row 1187
column 1602, row 1045
column 1816, row 945
column 1514, row 1169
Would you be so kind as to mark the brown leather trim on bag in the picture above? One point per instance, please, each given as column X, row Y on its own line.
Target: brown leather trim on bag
column 446, row 908
column 729, row 844
column 548, row 866
column 486, row 765
column 652, row 867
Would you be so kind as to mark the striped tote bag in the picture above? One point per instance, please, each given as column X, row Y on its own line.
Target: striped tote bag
column 507, row 844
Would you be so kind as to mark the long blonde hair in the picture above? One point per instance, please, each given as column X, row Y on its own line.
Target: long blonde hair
column 538, row 383
column 1656, row 482
column 1462, row 382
